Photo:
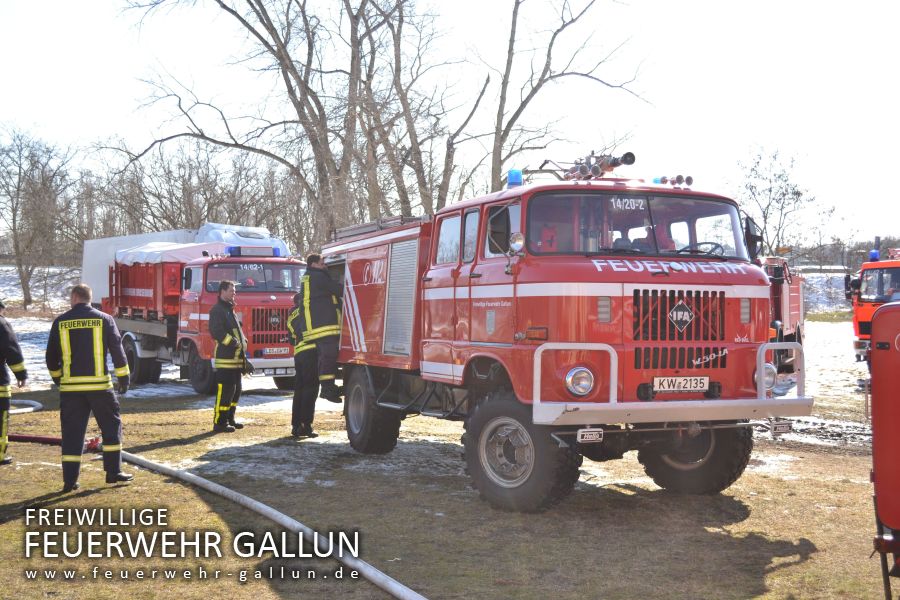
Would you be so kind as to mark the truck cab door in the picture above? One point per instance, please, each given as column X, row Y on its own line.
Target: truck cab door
column 491, row 289
column 191, row 288
column 439, row 297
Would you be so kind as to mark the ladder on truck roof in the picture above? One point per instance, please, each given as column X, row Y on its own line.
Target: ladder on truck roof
column 363, row 228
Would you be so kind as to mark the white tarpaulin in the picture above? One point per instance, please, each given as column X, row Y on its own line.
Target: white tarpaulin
column 158, row 252
column 236, row 235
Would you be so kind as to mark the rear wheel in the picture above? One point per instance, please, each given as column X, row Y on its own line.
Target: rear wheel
column 704, row 464
column 201, row 372
column 142, row 370
column 371, row 429
column 515, row 464
column 284, row 383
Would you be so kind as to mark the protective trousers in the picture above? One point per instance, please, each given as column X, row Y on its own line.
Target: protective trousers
column 327, row 349
column 75, row 409
column 228, row 392
column 306, row 387
column 4, row 426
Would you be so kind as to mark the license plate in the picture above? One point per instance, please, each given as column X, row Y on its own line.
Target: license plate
column 680, row 384
column 781, row 427
column 590, row 436
column 268, row 351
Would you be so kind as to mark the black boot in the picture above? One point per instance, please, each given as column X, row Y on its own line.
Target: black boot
column 306, row 430
column 119, row 477
column 70, row 486
column 223, row 427
column 296, row 431
column 6, row 461
column 231, row 420
column 332, row 393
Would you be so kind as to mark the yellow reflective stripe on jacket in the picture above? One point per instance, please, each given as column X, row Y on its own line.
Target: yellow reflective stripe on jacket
column 325, row 377
column 71, row 458
column 303, row 347
column 227, row 363
column 112, row 447
column 56, row 373
column 99, row 363
column 17, row 368
column 87, row 379
column 4, row 391
column 323, row 332
column 227, row 339
column 306, row 313
column 123, row 371
column 84, row 387
column 66, row 351
column 327, row 329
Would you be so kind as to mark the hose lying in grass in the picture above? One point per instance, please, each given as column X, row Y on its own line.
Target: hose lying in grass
column 376, row 577
column 32, row 406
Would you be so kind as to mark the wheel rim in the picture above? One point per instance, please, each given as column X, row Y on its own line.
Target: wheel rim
column 356, row 405
column 506, row 451
column 693, row 452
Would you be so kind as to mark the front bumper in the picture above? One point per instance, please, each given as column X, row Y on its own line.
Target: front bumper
column 273, row 367
column 657, row 411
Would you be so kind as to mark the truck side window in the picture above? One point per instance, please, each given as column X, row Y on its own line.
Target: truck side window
column 194, row 279
column 448, row 242
column 502, row 222
column 470, row 236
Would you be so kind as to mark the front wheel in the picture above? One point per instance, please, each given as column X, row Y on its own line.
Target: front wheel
column 371, row 429
column 515, row 464
column 284, row 383
column 704, row 464
column 201, row 372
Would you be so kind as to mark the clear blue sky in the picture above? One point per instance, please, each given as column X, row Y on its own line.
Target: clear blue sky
column 814, row 79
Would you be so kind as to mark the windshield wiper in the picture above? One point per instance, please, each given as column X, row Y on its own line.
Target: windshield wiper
column 614, row 251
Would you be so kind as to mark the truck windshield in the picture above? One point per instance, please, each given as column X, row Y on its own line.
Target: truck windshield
column 255, row 277
column 880, row 285
column 601, row 223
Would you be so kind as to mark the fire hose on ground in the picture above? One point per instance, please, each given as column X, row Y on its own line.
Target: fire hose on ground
column 373, row 575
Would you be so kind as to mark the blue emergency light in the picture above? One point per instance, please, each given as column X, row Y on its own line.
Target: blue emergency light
column 514, row 178
column 236, row 251
column 874, row 255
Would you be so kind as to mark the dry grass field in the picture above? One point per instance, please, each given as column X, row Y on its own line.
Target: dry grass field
column 798, row 524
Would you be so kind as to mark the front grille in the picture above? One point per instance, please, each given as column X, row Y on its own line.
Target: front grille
column 865, row 328
column 651, row 320
column 680, row 358
column 269, row 325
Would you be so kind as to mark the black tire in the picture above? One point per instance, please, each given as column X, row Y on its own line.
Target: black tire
column 136, row 366
column 284, row 383
column 203, row 378
column 154, row 370
column 705, row 464
column 528, row 474
column 371, row 429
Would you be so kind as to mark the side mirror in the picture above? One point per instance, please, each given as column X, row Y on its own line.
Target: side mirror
column 855, row 284
column 753, row 238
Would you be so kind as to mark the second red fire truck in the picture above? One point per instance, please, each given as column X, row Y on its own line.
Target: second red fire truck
column 579, row 318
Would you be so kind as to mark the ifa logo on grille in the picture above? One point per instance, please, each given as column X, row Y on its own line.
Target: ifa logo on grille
column 681, row 315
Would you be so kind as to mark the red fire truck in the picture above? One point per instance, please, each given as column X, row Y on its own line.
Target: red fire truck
column 577, row 318
column 885, row 361
column 878, row 282
column 161, row 292
column 786, row 302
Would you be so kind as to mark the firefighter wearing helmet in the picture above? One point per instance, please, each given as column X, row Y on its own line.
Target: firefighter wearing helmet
column 322, row 318
column 10, row 355
column 229, row 359
column 76, row 358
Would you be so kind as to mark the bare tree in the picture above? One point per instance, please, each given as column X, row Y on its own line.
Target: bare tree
column 787, row 213
column 33, row 182
column 510, row 136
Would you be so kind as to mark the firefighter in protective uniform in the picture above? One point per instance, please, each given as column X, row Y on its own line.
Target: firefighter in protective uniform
column 229, row 359
column 322, row 321
column 306, row 379
column 76, row 359
column 10, row 355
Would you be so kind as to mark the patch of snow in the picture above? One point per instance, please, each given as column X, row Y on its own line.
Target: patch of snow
column 770, row 463
column 56, row 281
column 824, row 292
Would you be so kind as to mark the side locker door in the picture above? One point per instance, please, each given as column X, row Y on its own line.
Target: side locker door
column 439, row 302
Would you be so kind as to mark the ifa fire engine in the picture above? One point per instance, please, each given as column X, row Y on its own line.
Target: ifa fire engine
column 786, row 302
column 161, row 286
column 885, row 362
column 585, row 317
column 878, row 282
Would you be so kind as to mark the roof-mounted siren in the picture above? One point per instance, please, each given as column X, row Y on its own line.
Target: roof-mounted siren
column 606, row 164
column 675, row 181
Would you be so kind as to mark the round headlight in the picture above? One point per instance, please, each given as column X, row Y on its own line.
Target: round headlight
column 580, row 381
column 770, row 376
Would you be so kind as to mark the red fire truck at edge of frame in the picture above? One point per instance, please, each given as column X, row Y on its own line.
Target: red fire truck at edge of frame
column 581, row 318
